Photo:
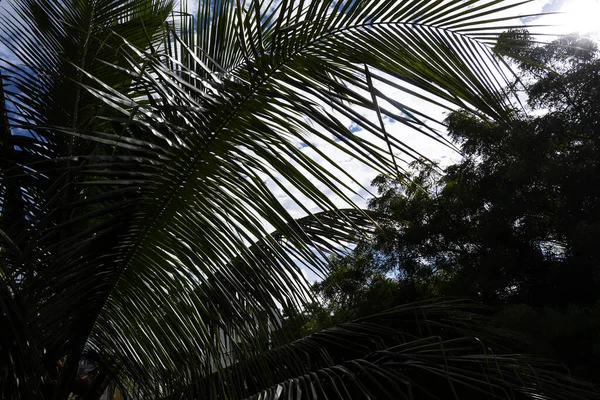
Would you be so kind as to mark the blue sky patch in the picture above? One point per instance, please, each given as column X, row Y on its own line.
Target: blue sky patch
column 354, row 128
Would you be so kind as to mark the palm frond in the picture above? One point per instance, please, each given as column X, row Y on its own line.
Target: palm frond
column 50, row 211
column 142, row 158
column 428, row 350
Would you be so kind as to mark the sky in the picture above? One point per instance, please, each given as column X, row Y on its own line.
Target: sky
column 578, row 15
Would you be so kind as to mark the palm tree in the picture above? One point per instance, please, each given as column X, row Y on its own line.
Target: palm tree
column 136, row 219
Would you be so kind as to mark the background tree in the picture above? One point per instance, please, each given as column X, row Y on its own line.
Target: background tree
column 514, row 222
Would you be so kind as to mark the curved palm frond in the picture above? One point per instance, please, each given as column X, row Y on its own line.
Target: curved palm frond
column 224, row 309
column 140, row 159
column 234, row 108
column 49, row 216
column 427, row 350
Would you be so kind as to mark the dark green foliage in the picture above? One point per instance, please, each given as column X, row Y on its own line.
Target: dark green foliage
column 426, row 350
column 568, row 334
column 516, row 221
column 139, row 228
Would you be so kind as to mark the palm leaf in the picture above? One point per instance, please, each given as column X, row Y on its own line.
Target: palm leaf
column 426, row 350
column 51, row 42
column 144, row 155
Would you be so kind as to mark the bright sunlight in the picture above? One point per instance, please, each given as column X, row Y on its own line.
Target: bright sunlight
column 581, row 16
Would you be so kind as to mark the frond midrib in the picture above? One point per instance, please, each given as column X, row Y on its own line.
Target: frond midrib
column 183, row 177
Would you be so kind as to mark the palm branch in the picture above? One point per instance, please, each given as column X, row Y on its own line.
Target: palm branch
column 427, row 350
column 137, row 142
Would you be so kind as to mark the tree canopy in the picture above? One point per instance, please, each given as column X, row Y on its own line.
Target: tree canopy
column 515, row 221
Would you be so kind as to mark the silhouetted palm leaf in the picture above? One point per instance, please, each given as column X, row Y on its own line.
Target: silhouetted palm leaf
column 427, row 350
column 136, row 214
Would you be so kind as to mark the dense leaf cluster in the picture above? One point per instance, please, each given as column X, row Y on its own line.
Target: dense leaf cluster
column 516, row 221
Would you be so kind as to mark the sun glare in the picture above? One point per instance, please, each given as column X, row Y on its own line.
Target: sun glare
column 581, row 16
